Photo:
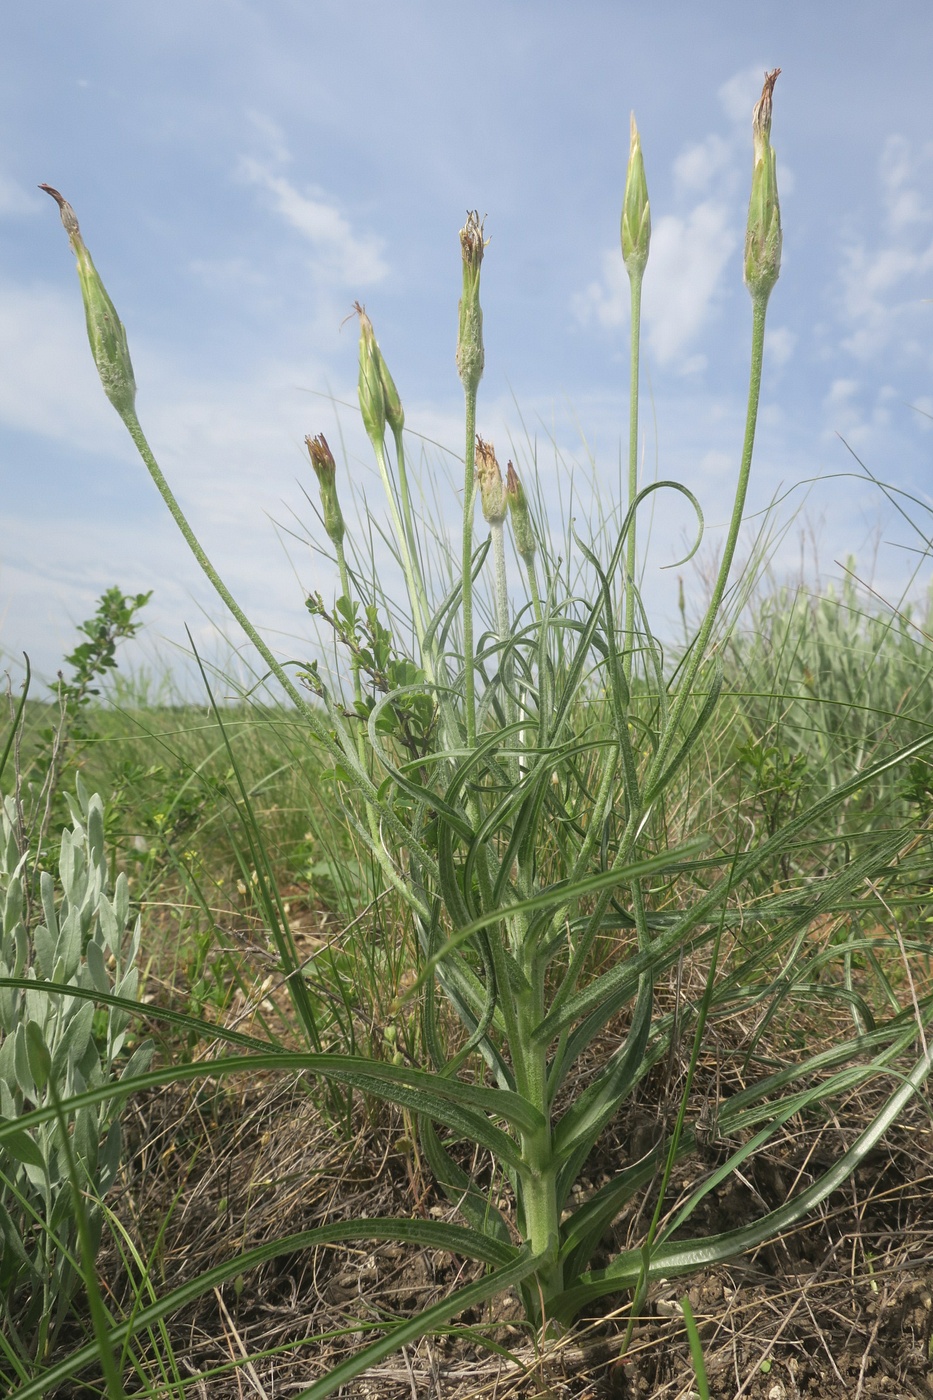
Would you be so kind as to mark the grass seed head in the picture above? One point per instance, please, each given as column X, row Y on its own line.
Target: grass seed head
column 636, row 210
column 491, row 490
column 471, row 356
column 105, row 330
column 763, row 238
column 325, row 468
column 521, row 516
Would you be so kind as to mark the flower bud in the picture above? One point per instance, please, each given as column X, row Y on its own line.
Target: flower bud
column 521, row 516
column 636, row 210
column 371, row 392
column 325, row 468
column 763, row 238
column 471, row 357
column 492, row 493
column 104, row 328
column 395, row 413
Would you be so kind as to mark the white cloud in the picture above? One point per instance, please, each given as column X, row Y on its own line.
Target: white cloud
column 49, row 384
column 687, row 259
column 605, row 300
column 904, row 205
column 340, row 254
column 698, row 166
column 689, row 252
column 780, row 344
column 688, row 256
column 882, row 284
column 15, row 201
column 738, row 94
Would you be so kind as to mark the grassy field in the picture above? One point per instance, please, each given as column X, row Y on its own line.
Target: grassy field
column 816, row 688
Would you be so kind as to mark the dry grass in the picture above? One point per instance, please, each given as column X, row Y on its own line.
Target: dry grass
column 841, row 1306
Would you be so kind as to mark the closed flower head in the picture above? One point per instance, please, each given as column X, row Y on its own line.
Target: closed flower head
column 491, row 490
column 636, row 210
column 763, row 237
column 470, row 353
column 104, row 328
column 521, row 516
column 325, row 468
column 371, row 391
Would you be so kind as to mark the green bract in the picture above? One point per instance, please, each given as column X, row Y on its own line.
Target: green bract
column 325, row 469
column 636, row 210
column 104, row 328
column 471, row 356
column 763, row 238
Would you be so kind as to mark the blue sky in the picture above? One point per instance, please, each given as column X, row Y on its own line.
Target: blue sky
column 243, row 171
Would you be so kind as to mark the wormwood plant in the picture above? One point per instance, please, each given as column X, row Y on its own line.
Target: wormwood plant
column 81, row 942
column 510, row 781
column 59, row 745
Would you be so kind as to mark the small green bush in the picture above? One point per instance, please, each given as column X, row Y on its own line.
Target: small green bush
column 75, row 937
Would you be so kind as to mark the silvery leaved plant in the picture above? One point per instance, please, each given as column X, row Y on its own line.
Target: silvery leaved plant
column 57, row 953
column 509, row 781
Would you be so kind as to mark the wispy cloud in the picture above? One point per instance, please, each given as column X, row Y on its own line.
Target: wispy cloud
column 688, row 256
column 49, row 384
column 340, row 254
column 883, row 283
column 15, row 201
column 698, row 166
column 734, row 92
column 689, row 248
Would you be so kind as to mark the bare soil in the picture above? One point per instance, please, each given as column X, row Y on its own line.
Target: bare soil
column 840, row 1308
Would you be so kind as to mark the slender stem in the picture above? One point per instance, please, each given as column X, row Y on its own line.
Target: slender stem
column 502, row 626
column 469, row 499
column 407, row 517
column 501, row 579
column 412, row 576
column 354, row 660
column 532, row 575
column 630, row 552
column 698, row 650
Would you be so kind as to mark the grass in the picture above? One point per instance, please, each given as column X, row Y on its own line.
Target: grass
column 211, row 1173
column 505, row 949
